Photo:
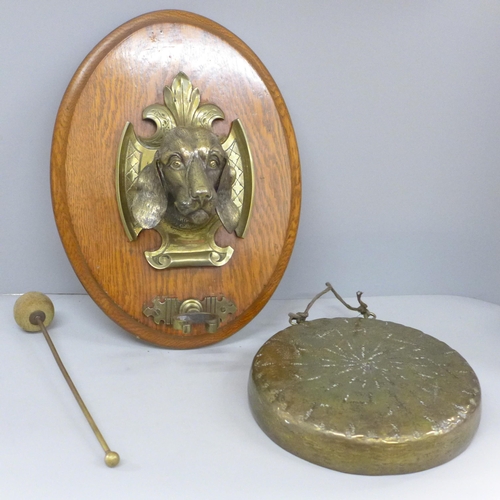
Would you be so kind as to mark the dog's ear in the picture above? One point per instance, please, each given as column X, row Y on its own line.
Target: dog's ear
column 226, row 209
column 149, row 199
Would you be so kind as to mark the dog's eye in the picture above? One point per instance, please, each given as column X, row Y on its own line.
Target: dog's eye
column 175, row 164
column 213, row 163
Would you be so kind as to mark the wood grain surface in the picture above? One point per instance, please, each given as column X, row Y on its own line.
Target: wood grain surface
column 125, row 73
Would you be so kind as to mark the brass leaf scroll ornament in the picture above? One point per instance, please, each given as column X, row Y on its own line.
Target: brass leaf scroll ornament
column 184, row 181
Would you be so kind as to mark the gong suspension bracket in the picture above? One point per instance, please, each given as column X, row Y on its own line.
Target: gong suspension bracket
column 300, row 317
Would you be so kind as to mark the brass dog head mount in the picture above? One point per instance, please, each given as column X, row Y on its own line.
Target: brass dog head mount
column 184, row 181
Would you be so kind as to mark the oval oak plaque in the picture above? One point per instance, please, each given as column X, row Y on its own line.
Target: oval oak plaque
column 123, row 77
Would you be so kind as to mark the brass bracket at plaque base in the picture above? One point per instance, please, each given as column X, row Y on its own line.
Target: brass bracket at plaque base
column 210, row 311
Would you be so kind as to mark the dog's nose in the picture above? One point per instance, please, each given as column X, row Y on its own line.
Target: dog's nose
column 199, row 186
column 201, row 194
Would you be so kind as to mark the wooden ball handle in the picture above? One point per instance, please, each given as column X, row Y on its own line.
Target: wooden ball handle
column 28, row 305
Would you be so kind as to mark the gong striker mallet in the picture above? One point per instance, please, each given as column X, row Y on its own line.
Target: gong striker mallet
column 33, row 312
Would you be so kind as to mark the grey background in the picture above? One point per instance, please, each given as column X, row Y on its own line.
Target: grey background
column 396, row 109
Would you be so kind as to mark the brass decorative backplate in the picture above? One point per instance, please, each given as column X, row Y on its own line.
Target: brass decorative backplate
column 184, row 181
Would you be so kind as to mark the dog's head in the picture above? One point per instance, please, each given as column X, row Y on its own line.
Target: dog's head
column 189, row 180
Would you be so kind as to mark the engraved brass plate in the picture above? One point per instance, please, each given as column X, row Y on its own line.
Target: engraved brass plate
column 183, row 181
column 364, row 396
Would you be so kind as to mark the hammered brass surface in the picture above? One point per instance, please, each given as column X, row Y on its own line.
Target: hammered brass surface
column 364, row 396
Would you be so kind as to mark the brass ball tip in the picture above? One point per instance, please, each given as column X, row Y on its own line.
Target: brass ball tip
column 112, row 459
column 30, row 303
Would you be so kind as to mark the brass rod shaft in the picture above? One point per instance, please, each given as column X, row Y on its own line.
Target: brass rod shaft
column 89, row 418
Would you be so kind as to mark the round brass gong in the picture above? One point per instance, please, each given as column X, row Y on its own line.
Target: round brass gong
column 364, row 396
